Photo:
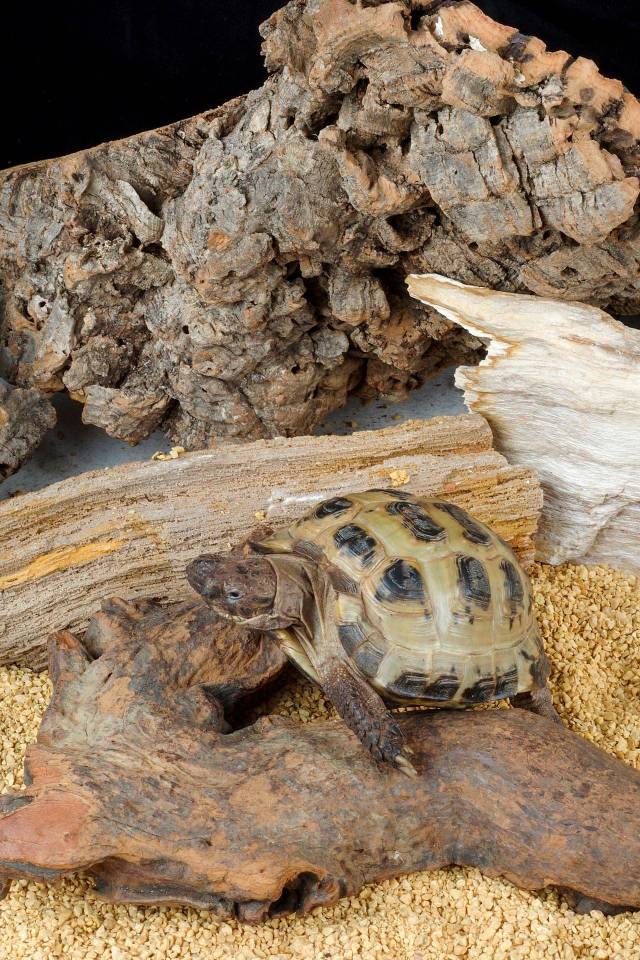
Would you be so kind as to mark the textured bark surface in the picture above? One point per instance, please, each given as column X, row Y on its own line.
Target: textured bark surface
column 25, row 417
column 134, row 780
column 132, row 530
column 240, row 273
column 560, row 388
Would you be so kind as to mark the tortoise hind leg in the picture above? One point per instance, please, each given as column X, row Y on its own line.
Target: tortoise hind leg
column 364, row 712
column 538, row 701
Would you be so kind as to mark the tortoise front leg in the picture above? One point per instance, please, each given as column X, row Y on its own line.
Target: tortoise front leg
column 361, row 708
column 364, row 712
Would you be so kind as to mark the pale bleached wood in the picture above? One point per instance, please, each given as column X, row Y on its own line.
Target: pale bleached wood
column 560, row 388
column 131, row 530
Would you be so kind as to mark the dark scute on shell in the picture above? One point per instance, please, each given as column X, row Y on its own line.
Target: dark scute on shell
column 444, row 688
column 400, row 582
column 481, row 691
column 513, row 586
column 416, row 520
column 397, row 494
column 474, row 581
column 367, row 659
column 351, row 636
column 472, row 530
column 408, row 685
column 332, row 508
column 357, row 542
column 507, row 684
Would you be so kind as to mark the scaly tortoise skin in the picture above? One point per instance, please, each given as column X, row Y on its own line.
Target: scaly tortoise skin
column 434, row 607
column 386, row 599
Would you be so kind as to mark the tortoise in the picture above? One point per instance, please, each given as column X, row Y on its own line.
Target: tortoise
column 385, row 599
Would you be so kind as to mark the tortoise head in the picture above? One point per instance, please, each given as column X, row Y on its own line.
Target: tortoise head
column 238, row 588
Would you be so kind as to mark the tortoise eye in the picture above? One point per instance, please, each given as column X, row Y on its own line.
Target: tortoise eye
column 234, row 594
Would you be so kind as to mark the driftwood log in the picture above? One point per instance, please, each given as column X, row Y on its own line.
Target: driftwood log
column 134, row 780
column 132, row 530
column 560, row 388
column 239, row 273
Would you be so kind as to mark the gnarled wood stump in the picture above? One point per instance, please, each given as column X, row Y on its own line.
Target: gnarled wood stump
column 135, row 780
column 239, row 273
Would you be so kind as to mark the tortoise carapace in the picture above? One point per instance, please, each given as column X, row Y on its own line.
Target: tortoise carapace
column 385, row 599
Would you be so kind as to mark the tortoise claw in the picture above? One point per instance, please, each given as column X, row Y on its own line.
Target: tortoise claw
column 405, row 766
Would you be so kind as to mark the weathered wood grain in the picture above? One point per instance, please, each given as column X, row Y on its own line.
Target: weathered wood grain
column 238, row 274
column 560, row 387
column 131, row 530
column 134, row 780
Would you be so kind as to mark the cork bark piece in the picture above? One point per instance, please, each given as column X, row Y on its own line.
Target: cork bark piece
column 239, row 273
column 25, row 417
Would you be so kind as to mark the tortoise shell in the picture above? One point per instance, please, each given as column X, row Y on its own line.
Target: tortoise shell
column 432, row 606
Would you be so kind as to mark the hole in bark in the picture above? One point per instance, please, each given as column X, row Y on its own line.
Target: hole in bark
column 157, row 250
column 294, row 894
column 324, row 118
column 361, row 88
column 150, row 200
column 185, row 328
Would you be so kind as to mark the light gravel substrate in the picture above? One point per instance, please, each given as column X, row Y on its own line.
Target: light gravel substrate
column 590, row 619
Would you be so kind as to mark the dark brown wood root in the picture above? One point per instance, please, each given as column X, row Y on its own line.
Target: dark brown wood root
column 240, row 273
column 134, row 780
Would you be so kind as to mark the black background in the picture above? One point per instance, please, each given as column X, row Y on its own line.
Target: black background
column 74, row 74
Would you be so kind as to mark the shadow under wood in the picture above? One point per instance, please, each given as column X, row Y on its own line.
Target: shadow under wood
column 134, row 780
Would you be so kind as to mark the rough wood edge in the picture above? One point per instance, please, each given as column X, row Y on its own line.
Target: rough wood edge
column 131, row 530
